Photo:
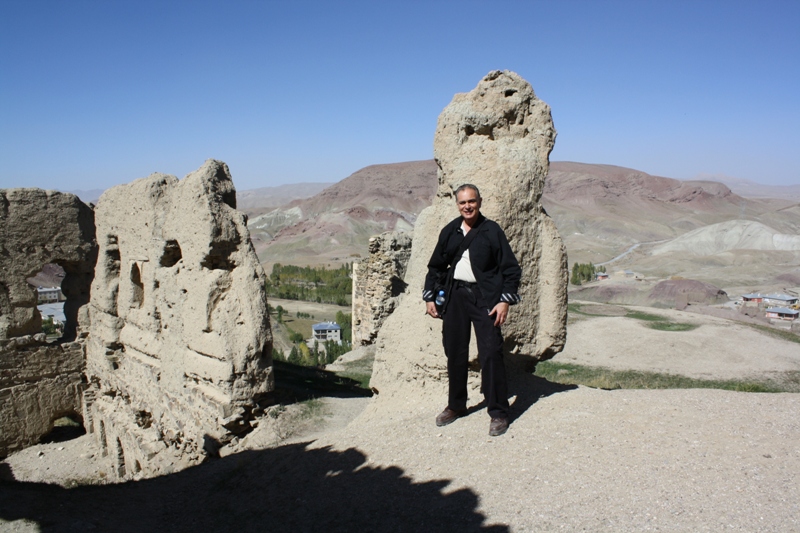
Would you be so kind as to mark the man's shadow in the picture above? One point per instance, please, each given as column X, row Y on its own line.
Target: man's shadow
column 524, row 386
column 527, row 387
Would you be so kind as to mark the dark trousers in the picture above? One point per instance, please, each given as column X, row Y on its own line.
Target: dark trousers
column 464, row 311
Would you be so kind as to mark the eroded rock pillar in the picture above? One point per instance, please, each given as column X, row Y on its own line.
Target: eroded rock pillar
column 498, row 137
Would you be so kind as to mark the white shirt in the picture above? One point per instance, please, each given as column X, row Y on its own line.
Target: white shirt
column 463, row 270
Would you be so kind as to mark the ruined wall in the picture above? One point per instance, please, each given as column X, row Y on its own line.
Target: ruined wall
column 498, row 137
column 40, row 381
column 378, row 284
column 179, row 351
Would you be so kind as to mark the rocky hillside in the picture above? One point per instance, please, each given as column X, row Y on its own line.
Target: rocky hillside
column 695, row 228
column 729, row 236
column 264, row 199
column 334, row 225
column 601, row 210
column 750, row 189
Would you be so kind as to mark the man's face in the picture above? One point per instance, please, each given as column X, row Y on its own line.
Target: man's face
column 469, row 205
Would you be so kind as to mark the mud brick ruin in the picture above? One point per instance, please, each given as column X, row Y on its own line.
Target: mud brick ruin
column 378, row 284
column 173, row 350
column 40, row 382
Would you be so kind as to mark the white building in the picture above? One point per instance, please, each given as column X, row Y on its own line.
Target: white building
column 327, row 331
column 49, row 294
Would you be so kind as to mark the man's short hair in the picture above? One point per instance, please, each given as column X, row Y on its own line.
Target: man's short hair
column 467, row 186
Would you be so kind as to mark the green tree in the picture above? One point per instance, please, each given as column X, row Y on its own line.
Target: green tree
column 294, row 356
column 345, row 320
column 48, row 327
column 278, row 355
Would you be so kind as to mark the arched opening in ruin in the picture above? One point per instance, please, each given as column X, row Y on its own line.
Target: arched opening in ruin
column 59, row 290
column 66, row 426
column 229, row 197
column 137, row 296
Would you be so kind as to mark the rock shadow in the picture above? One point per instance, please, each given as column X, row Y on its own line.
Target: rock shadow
column 290, row 488
column 296, row 383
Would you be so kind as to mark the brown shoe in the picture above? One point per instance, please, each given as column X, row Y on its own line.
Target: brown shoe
column 448, row 416
column 498, row 426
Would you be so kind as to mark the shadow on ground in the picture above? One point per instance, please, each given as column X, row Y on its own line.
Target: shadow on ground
column 291, row 488
column 529, row 388
column 525, row 387
column 296, row 383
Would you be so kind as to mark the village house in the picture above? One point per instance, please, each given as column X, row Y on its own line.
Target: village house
column 49, row 294
column 327, row 331
column 770, row 299
column 782, row 313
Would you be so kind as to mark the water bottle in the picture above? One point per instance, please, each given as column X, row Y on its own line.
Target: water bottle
column 440, row 301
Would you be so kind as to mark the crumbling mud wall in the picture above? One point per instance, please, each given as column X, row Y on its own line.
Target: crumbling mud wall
column 180, row 346
column 498, row 137
column 378, row 284
column 40, row 381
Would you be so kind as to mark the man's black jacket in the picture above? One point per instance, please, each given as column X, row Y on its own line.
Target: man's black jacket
column 493, row 263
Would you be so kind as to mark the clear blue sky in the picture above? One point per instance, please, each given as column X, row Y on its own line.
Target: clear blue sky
column 95, row 93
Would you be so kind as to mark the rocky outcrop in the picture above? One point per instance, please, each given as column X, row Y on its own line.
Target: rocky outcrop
column 498, row 137
column 679, row 293
column 179, row 351
column 40, row 381
column 378, row 284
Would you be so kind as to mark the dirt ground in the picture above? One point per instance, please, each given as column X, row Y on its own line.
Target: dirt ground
column 574, row 458
column 716, row 349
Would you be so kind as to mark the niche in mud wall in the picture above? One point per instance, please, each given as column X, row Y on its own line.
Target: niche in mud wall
column 120, row 460
column 171, row 254
column 109, row 266
column 137, row 286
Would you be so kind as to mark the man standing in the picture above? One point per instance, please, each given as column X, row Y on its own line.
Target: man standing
column 475, row 267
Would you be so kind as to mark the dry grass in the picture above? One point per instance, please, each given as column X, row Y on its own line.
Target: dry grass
column 605, row 378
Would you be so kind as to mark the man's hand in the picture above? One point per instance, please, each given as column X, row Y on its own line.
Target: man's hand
column 431, row 309
column 501, row 312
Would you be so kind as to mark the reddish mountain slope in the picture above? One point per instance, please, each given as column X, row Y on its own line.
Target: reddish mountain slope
column 334, row 225
column 601, row 211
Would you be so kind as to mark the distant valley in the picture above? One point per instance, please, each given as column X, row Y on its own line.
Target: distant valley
column 696, row 229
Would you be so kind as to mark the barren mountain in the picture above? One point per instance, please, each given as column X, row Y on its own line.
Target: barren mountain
column 601, row 211
column 261, row 200
column 750, row 189
column 728, row 236
column 51, row 275
column 334, row 225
